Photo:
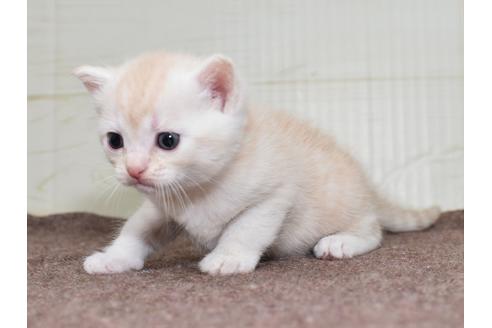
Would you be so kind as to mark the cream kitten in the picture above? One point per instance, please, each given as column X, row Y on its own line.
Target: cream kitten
column 241, row 181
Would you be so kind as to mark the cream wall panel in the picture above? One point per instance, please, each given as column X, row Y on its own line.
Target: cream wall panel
column 384, row 76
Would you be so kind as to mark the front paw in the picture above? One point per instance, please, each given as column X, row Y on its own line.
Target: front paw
column 217, row 263
column 105, row 263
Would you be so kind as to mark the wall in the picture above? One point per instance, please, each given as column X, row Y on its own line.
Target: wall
column 384, row 76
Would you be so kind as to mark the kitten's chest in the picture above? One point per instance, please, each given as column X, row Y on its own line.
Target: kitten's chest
column 205, row 219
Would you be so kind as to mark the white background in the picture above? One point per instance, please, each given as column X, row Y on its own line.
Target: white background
column 384, row 76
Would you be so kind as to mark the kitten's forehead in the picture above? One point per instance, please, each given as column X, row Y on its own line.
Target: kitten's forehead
column 142, row 82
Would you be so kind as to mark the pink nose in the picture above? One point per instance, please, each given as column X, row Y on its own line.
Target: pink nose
column 135, row 171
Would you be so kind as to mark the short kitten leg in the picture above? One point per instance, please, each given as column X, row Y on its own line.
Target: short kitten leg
column 129, row 250
column 364, row 238
column 246, row 238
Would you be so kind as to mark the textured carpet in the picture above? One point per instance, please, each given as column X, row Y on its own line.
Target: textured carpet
column 413, row 280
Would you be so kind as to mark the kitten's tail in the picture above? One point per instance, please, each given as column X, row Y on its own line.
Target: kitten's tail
column 396, row 219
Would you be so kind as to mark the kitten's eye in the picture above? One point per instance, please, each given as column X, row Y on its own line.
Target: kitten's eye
column 167, row 140
column 115, row 140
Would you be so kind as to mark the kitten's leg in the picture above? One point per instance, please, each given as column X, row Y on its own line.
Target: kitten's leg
column 133, row 245
column 365, row 237
column 246, row 238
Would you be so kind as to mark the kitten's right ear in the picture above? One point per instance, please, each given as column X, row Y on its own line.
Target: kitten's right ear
column 94, row 78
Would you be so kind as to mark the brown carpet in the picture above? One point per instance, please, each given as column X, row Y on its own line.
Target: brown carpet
column 414, row 280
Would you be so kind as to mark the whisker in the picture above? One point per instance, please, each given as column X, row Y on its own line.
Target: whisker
column 180, row 195
column 183, row 191
column 106, row 189
column 196, row 184
column 112, row 193
column 166, row 196
column 105, row 179
column 172, row 203
column 162, row 197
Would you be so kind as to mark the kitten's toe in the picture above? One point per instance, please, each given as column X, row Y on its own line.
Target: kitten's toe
column 226, row 264
column 334, row 246
column 104, row 263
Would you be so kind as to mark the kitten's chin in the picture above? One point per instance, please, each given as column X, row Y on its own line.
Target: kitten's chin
column 144, row 188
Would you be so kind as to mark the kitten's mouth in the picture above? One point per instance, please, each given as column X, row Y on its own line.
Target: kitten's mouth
column 143, row 186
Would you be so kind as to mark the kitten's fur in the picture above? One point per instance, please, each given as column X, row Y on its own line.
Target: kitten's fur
column 242, row 181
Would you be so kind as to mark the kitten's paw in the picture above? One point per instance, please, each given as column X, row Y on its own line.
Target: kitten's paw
column 106, row 263
column 337, row 246
column 344, row 245
column 216, row 263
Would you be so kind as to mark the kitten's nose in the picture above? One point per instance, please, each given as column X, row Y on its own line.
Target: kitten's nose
column 135, row 171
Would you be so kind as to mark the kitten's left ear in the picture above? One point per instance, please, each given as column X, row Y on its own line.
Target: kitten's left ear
column 217, row 76
column 94, row 78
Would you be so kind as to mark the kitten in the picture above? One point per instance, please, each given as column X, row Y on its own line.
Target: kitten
column 241, row 181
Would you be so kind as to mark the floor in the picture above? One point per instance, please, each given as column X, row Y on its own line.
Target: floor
column 414, row 279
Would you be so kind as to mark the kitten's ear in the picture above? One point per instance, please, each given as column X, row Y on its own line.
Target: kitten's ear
column 218, row 78
column 93, row 77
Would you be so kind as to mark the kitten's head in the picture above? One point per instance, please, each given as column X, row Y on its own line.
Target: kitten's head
column 167, row 119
